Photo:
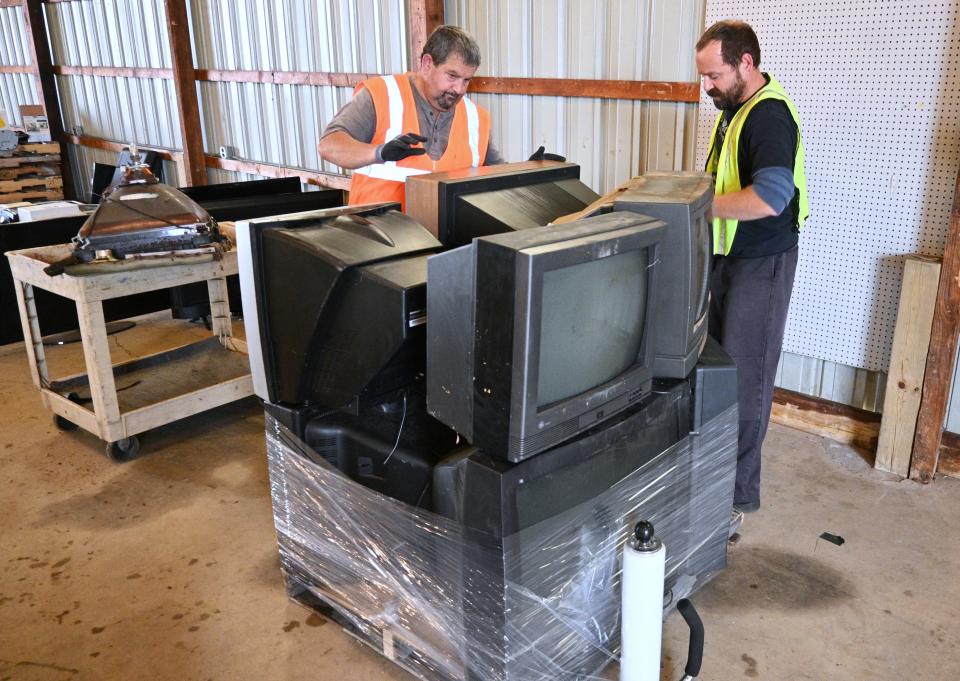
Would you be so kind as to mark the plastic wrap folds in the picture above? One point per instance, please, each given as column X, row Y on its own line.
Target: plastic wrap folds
column 449, row 600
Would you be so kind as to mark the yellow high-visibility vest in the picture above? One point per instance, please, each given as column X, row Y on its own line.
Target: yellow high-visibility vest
column 722, row 163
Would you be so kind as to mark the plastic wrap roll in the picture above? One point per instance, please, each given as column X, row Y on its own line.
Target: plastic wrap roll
column 641, row 606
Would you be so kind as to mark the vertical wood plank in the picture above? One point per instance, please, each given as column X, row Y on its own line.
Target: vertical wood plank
column 32, row 341
column 422, row 17
column 96, row 352
column 46, row 82
column 185, row 85
column 219, row 309
column 941, row 356
column 911, row 341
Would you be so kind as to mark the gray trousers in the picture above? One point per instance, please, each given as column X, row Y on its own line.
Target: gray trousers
column 749, row 298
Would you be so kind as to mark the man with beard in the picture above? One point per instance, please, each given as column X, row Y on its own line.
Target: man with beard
column 759, row 206
column 413, row 123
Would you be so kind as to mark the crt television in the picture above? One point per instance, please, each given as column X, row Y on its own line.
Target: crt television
column 334, row 303
column 681, row 200
column 459, row 205
column 537, row 335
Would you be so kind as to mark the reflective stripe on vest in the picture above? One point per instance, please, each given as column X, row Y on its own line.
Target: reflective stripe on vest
column 473, row 130
column 389, row 170
column 723, row 163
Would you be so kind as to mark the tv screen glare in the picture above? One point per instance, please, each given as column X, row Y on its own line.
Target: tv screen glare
column 534, row 336
column 459, row 205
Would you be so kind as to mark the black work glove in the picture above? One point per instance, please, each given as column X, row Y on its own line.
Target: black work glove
column 401, row 147
column 538, row 155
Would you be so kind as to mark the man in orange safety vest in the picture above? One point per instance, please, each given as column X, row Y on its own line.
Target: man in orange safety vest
column 412, row 123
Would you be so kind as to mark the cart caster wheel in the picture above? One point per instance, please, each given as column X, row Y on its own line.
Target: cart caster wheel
column 123, row 450
column 65, row 424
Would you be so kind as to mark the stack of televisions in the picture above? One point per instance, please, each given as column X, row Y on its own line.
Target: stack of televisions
column 471, row 366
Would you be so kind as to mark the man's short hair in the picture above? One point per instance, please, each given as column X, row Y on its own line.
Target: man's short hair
column 736, row 39
column 446, row 40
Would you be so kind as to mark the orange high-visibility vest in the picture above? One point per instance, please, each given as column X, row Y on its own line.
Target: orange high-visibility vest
column 393, row 100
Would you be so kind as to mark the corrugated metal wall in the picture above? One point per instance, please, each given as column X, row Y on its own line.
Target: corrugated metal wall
column 281, row 124
column 621, row 39
column 832, row 381
column 15, row 88
column 141, row 110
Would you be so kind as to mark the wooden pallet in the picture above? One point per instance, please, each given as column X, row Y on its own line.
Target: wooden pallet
column 28, row 159
column 31, row 169
column 31, row 173
column 30, row 195
column 35, row 148
column 31, row 184
column 31, row 154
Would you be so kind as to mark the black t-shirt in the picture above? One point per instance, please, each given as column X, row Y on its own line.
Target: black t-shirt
column 768, row 139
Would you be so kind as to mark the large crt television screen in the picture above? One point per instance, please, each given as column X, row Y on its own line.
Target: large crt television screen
column 681, row 200
column 460, row 205
column 534, row 336
column 334, row 303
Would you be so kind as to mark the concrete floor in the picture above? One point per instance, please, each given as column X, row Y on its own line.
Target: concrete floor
column 165, row 568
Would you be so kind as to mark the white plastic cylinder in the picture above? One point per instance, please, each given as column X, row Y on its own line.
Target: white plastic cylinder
column 641, row 612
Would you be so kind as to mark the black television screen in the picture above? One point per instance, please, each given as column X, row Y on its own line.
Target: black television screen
column 681, row 200
column 334, row 303
column 598, row 305
column 537, row 335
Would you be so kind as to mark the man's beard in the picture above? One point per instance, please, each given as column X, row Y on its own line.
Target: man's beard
column 731, row 98
column 447, row 100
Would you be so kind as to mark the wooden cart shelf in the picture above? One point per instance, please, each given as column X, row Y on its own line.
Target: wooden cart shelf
column 153, row 390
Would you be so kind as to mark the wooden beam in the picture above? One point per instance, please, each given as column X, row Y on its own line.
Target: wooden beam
column 314, row 177
column 603, row 89
column 949, row 455
column 855, row 427
column 46, row 82
column 940, row 358
column 911, row 342
column 185, row 85
column 10, row 3
column 320, row 179
column 550, row 87
column 113, row 71
column 110, row 145
column 284, row 77
column 16, row 68
column 423, row 16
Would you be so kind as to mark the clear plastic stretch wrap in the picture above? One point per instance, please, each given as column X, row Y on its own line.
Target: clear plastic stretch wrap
column 453, row 598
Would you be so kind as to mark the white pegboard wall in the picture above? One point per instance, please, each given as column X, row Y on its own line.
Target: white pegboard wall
column 877, row 84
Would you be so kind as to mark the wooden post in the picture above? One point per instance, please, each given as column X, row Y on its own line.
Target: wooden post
column 46, row 82
column 185, row 85
column 911, row 343
column 422, row 17
column 941, row 356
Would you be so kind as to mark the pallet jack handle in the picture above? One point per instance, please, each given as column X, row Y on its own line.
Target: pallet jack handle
column 695, row 651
